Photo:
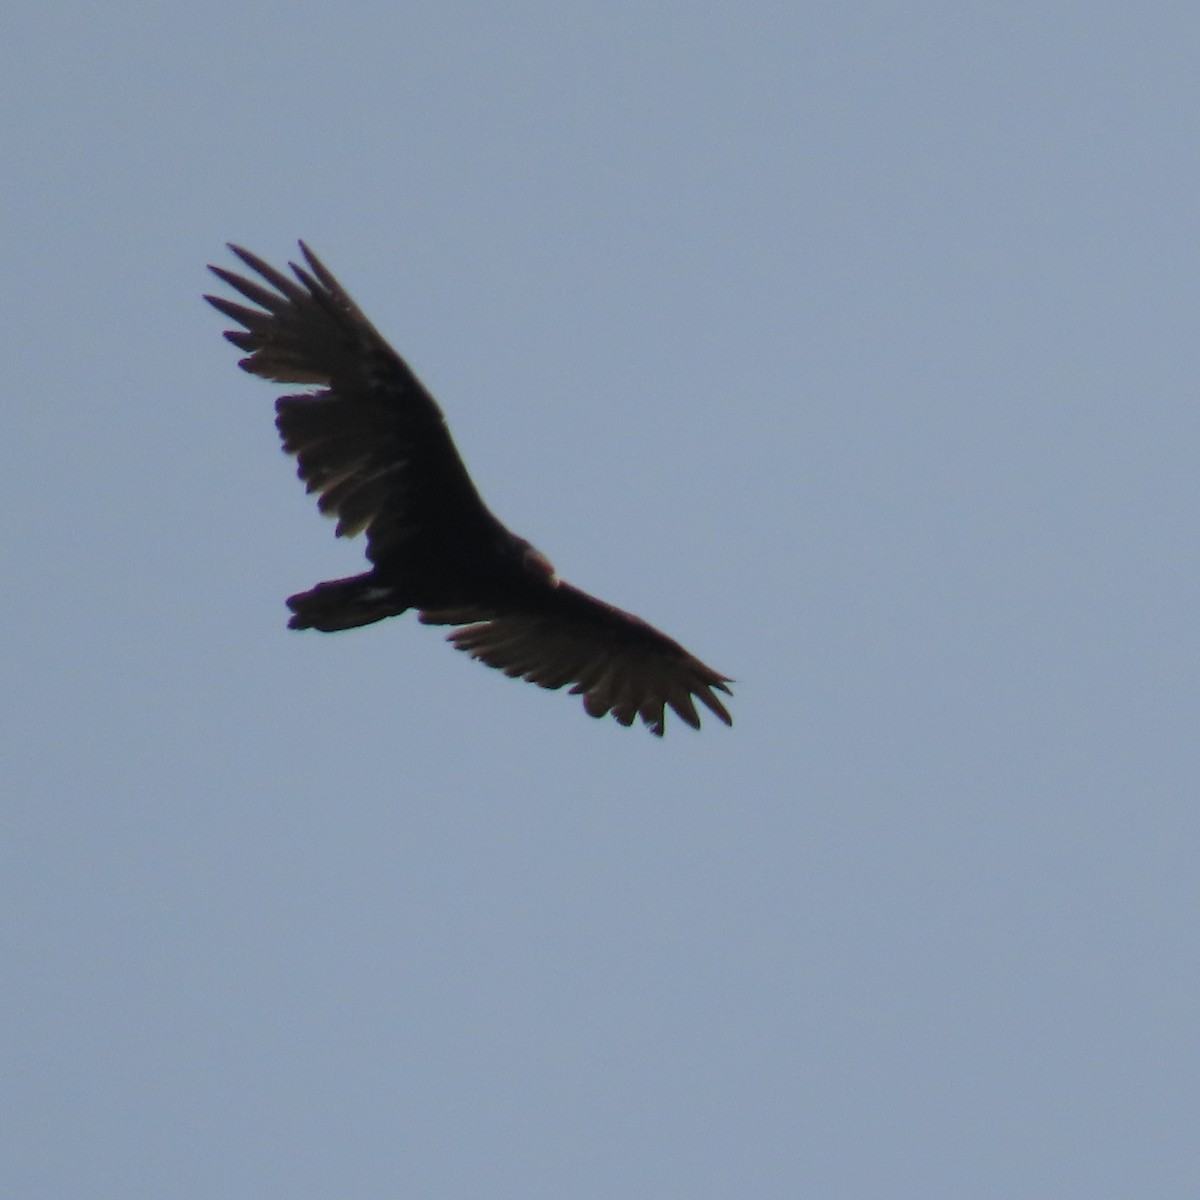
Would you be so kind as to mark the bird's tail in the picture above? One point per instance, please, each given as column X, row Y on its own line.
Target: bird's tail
column 344, row 604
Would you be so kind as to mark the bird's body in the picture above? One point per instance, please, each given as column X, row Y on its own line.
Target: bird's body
column 373, row 444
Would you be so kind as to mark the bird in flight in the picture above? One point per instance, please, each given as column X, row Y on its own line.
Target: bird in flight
column 373, row 445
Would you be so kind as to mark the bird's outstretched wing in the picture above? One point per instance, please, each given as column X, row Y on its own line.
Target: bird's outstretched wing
column 371, row 441
column 617, row 662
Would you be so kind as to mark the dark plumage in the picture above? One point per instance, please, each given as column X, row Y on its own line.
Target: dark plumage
column 373, row 444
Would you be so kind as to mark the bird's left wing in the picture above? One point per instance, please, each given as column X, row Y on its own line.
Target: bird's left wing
column 617, row 662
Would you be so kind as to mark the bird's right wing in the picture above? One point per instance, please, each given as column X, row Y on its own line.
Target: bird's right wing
column 370, row 440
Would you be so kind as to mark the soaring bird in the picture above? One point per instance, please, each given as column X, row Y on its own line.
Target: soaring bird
column 373, row 444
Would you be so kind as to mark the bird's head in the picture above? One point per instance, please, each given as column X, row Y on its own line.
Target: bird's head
column 536, row 563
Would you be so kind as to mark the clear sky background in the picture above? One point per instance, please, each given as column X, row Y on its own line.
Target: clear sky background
column 855, row 345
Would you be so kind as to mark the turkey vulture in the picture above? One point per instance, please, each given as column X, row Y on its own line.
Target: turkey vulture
column 374, row 446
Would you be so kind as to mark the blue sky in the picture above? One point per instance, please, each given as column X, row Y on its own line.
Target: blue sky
column 853, row 345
